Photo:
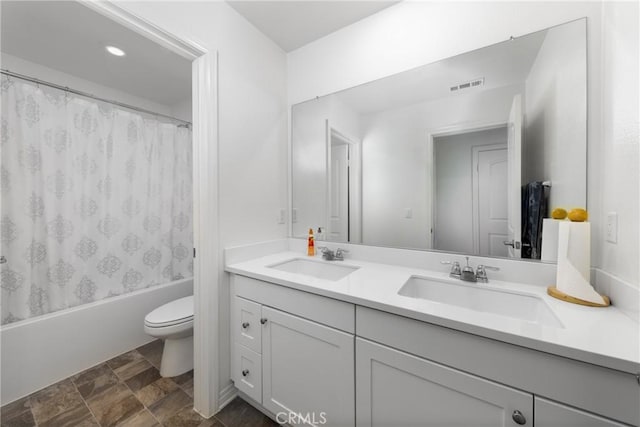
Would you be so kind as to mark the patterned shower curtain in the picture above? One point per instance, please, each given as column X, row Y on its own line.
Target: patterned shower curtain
column 96, row 200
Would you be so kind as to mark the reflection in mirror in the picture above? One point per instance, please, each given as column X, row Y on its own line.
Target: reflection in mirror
column 465, row 155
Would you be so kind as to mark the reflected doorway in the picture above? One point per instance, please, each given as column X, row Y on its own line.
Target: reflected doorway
column 344, row 204
column 470, row 207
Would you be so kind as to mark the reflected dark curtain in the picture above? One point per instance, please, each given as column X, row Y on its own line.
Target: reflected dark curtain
column 534, row 209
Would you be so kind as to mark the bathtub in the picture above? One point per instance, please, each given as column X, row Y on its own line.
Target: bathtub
column 41, row 351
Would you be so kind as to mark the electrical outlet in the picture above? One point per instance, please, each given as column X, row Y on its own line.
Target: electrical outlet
column 612, row 227
column 281, row 216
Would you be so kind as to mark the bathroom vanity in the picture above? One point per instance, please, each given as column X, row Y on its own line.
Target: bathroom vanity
column 364, row 343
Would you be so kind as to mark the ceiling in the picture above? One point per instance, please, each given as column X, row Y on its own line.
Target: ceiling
column 71, row 38
column 500, row 65
column 294, row 23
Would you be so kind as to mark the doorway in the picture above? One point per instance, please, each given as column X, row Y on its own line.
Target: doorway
column 469, row 188
column 202, row 67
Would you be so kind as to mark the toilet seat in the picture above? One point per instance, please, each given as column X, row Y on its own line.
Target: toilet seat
column 174, row 313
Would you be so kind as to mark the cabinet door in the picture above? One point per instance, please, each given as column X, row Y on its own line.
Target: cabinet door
column 308, row 370
column 397, row 389
column 552, row 414
column 246, row 327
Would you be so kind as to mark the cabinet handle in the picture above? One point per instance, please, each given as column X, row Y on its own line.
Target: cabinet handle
column 245, row 372
column 263, row 320
column 245, row 325
column 518, row 418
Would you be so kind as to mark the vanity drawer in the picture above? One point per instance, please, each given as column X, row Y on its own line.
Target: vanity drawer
column 328, row 311
column 246, row 327
column 578, row 384
column 247, row 372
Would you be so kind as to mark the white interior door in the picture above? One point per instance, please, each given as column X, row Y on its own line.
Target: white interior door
column 491, row 184
column 514, row 179
column 339, row 193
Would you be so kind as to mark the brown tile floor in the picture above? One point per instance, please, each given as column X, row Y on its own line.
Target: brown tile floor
column 125, row 391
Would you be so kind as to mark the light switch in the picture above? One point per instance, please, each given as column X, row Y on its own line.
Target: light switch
column 408, row 213
column 612, row 227
column 281, row 216
column 294, row 215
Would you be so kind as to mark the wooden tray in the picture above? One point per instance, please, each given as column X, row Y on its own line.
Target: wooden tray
column 554, row 292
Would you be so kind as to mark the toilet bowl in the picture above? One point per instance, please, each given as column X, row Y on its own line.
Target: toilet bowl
column 173, row 323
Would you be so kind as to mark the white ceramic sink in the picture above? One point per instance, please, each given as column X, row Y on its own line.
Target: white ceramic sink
column 318, row 269
column 476, row 296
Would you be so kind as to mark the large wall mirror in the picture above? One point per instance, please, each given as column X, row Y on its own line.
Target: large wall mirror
column 463, row 155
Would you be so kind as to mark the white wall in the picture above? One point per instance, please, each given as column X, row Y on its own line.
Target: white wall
column 252, row 126
column 556, row 129
column 619, row 148
column 410, row 34
column 454, row 187
column 22, row 66
column 395, row 161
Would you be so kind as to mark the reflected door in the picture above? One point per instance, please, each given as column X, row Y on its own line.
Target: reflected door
column 492, row 201
column 339, row 206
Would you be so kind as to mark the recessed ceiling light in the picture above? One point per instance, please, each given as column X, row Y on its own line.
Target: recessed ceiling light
column 115, row 51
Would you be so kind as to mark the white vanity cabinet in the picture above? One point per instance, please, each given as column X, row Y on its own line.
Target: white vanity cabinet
column 396, row 388
column 300, row 364
column 426, row 358
column 326, row 359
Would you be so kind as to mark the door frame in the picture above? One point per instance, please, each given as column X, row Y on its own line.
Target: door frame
column 355, row 176
column 475, row 182
column 438, row 132
column 207, row 273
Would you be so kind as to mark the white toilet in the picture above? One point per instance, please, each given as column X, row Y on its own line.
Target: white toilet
column 173, row 322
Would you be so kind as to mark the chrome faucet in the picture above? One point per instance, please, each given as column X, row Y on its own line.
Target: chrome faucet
column 467, row 273
column 330, row 255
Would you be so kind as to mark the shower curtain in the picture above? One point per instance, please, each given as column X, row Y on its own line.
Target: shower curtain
column 96, row 200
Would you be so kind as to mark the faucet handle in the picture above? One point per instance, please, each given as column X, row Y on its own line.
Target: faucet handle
column 340, row 253
column 455, row 268
column 481, row 272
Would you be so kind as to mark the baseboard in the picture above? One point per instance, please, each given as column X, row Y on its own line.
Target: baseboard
column 226, row 395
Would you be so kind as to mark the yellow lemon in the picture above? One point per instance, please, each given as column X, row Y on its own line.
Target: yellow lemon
column 578, row 215
column 559, row 213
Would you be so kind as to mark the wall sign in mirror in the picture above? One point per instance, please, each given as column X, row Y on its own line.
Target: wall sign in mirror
column 462, row 155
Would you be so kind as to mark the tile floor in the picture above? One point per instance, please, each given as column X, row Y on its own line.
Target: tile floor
column 124, row 391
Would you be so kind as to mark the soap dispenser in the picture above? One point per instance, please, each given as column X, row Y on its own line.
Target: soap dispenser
column 311, row 245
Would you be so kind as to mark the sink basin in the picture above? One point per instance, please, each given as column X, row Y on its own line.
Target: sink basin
column 317, row 269
column 528, row 308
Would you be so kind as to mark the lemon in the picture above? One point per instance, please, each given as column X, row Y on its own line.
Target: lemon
column 559, row 213
column 578, row 215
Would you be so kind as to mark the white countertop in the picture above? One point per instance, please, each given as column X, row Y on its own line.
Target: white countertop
column 601, row 336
